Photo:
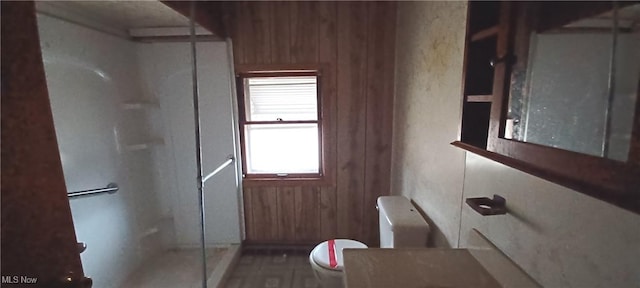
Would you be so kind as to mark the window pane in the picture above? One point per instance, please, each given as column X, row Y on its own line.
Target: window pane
column 287, row 148
column 286, row 98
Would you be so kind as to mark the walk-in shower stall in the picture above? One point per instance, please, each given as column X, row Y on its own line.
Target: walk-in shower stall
column 121, row 83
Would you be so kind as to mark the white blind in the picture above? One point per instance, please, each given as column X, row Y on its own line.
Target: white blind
column 287, row 98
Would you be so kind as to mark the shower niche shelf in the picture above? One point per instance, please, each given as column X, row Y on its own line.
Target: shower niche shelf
column 134, row 138
column 139, row 105
column 143, row 145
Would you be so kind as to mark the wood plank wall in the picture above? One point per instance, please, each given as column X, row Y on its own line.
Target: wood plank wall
column 356, row 42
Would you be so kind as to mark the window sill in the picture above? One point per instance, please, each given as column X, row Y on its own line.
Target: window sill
column 259, row 182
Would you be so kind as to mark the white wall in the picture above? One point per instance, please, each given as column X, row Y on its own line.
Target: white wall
column 560, row 237
column 166, row 72
column 89, row 74
column 427, row 113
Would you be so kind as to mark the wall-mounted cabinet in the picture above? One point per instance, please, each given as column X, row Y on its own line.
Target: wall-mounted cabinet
column 551, row 88
column 482, row 39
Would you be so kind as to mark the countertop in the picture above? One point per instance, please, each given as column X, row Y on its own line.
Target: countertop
column 483, row 265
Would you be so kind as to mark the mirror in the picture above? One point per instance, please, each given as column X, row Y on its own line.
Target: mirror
column 574, row 86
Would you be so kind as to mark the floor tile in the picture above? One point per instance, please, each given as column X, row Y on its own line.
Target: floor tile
column 304, row 278
column 273, row 269
column 173, row 268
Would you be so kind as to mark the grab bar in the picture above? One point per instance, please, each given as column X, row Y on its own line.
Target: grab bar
column 111, row 188
column 222, row 166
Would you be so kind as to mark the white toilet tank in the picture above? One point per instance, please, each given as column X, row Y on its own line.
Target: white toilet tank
column 401, row 225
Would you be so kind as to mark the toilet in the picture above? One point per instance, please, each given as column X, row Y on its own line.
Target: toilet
column 401, row 226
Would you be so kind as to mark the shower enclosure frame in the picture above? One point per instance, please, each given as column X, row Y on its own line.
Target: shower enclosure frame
column 198, row 145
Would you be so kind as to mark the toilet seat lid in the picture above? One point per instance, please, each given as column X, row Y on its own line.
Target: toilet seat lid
column 328, row 254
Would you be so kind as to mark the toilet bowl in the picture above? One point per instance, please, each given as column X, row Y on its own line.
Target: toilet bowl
column 401, row 226
column 327, row 262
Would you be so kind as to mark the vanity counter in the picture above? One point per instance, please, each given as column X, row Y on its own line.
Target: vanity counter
column 420, row 267
column 482, row 265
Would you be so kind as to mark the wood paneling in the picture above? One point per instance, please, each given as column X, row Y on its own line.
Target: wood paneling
column 286, row 208
column 280, row 32
column 328, row 214
column 379, row 111
column 304, row 32
column 264, row 216
column 307, row 214
column 354, row 43
column 327, row 53
column 289, row 214
column 248, row 214
column 260, row 31
column 351, row 114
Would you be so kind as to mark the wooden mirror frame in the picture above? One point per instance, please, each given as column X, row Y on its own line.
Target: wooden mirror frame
column 609, row 180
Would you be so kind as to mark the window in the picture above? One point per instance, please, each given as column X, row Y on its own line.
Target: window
column 280, row 124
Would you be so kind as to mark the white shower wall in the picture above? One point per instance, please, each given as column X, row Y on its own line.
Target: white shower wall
column 166, row 73
column 90, row 76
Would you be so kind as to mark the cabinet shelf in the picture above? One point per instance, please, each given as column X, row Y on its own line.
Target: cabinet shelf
column 486, row 33
column 475, row 123
column 479, row 73
column 480, row 98
column 483, row 15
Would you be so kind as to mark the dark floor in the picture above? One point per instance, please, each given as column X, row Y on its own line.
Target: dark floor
column 273, row 268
